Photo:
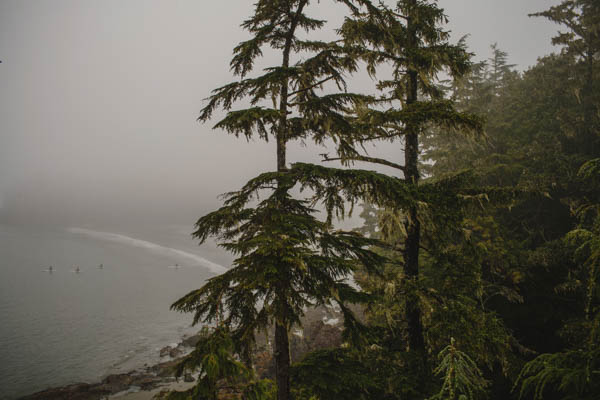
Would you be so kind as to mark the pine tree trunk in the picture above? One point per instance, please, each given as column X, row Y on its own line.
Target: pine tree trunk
column 282, row 345
column 282, row 362
column 416, row 342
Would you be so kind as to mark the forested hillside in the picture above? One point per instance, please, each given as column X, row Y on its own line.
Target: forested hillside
column 477, row 270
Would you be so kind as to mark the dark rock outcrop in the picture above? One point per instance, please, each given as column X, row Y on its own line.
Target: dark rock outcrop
column 110, row 385
column 77, row 391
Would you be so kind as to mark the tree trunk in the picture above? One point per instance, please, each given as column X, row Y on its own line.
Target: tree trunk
column 282, row 345
column 282, row 362
column 416, row 343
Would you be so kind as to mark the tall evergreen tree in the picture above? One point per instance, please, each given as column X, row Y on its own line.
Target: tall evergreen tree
column 540, row 245
column 581, row 42
column 499, row 69
column 287, row 258
column 575, row 371
column 410, row 38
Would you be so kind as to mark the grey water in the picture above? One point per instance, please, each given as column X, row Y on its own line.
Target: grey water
column 64, row 326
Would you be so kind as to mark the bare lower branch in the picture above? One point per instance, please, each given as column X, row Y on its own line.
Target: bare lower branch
column 322, row 81
column 399, row 15
column 365, row 159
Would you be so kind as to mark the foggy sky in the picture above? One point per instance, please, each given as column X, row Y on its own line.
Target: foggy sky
column 99, row 99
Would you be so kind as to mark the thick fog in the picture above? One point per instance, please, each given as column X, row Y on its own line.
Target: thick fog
column 99, row 99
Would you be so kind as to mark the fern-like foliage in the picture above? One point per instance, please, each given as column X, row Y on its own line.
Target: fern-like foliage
column 574, row 373
column 462, row 379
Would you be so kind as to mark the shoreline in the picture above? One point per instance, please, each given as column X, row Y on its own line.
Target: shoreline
column 141, row 383
column 322, row 329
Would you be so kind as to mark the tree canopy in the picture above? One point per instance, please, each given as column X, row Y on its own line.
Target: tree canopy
column 477, row 267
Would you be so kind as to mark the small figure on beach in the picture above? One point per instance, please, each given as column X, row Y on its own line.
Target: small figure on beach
column 101, row 266
column 77, row 269
column 176, row 266
column 50, row 269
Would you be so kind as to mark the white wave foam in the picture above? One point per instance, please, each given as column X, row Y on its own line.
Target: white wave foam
column 154, row 247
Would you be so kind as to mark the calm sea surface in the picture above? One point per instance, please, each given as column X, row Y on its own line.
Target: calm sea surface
column 64, row 327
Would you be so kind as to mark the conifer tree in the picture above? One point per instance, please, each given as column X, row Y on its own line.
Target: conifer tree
column 575, row 371
column 287, row 258
column 538, row 244
column 499, row 69
column 581, row 42
column 410, row 39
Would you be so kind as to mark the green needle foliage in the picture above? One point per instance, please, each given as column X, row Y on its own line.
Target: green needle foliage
column 410, row 39
column 287, row 259
column 494, row 239
column 575, row 372
column 581, row 43
column 462, row 378
column 540, row 139
column 215, row 364
column 334, row 374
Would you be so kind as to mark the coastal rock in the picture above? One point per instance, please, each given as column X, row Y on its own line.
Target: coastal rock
column 190, row 341
column 165, row 351
column 147, row 382
column 117, row 382
column 164, row 369
column 172, row 352
column 77, row 391
column 175, row 352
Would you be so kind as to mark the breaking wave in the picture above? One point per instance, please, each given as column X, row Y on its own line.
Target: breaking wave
column 154, row 247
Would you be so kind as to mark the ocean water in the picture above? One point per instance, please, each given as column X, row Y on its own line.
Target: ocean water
column 66, row 326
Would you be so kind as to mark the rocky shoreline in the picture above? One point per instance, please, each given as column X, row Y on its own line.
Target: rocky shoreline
column 322, row 329
column 144, row 379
